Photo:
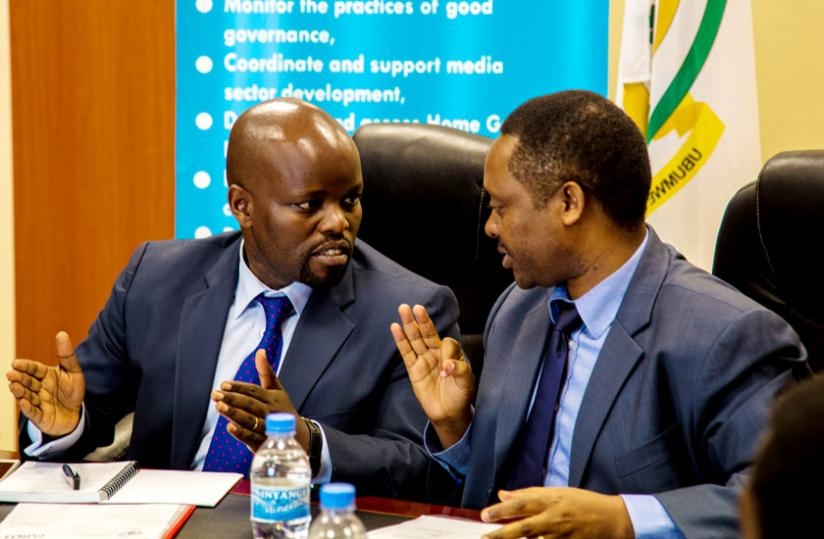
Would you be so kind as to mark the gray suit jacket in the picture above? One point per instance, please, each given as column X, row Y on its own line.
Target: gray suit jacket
column 154, row 348
column 675, row 403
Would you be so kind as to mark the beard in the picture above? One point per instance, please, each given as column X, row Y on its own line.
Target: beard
column 331, row 275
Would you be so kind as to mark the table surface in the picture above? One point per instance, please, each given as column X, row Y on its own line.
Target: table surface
column 230, row 518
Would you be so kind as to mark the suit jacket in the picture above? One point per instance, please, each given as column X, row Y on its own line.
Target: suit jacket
column 675, row 403
column 154, row 348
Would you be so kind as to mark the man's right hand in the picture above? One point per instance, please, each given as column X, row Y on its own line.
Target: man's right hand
column 50, row 396
column 441, row 377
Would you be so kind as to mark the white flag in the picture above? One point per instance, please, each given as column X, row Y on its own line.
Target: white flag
column 687, row 78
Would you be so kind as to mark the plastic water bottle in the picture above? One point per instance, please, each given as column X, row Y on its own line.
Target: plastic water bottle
column 337, row 517
column 280, row 478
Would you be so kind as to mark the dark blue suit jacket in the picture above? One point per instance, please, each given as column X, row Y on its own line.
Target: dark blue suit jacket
column 154, row 348
column 675, row 403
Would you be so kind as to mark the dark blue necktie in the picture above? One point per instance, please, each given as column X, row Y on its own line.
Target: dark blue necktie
column 529, row 468
column 227, row 453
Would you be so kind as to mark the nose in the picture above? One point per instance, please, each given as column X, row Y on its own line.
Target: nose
column 491, row 225
column 334, row 220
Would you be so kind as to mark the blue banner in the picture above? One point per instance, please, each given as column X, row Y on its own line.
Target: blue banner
column 464, row 64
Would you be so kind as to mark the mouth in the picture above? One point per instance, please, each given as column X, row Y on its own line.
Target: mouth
column 333, row 253
column 507, row 260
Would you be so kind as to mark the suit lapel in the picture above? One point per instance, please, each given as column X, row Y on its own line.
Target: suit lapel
column 203, row 320
column 619, row 354
column 321, row 330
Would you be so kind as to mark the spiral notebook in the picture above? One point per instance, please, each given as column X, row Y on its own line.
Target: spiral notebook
column 114, row 482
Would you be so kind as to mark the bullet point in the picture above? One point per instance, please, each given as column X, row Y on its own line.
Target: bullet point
column 204, row 64
column 203, row 121
column 202, row 180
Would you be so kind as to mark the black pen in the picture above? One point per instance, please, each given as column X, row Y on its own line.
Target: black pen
column 72, row 478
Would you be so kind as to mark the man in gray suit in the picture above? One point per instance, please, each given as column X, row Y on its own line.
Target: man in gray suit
column 665, row 379
column 184, row 315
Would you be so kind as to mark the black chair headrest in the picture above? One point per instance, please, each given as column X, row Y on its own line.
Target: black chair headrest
column 424, row 207
column 768, row 244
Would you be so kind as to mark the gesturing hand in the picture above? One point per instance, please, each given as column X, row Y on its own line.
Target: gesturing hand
column 50, row 396
column 246, row 405
column 441, row 377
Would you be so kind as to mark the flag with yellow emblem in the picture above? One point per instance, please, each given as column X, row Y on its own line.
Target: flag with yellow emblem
column 687, row 78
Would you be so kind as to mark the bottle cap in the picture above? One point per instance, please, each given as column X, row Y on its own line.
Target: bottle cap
column 280, row 423
column 337, row 496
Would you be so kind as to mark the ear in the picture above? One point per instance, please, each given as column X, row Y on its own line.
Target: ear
column 240, row 204
column 574, row 200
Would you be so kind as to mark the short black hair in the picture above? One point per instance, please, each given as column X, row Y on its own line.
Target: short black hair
column 788, row 473
column 580, row 136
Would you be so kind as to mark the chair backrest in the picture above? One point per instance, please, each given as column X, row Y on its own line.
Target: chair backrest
column 769, row 243
column 424, row 207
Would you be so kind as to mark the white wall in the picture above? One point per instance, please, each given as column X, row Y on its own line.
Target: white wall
column 8, row 430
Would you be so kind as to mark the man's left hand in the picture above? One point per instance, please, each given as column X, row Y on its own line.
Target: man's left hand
column 558, row 512
column 246, row 405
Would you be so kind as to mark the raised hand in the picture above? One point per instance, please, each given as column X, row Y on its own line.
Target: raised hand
column 558, row 512
column 51, row 397
column 441, row 377
column 246, row 405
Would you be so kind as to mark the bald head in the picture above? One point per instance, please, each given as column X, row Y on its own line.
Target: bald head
column 278, row 135
column 295, row 184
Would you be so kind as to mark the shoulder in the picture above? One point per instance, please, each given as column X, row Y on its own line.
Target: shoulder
column 188, row 252
column 374, row 271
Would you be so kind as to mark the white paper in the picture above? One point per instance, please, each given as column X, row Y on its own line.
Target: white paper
column 435, row 527
column 45, row 482
column 90, row 521
column 204, row 489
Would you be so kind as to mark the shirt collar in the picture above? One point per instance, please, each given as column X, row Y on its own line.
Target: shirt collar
column 249, row 287
column 599, row 305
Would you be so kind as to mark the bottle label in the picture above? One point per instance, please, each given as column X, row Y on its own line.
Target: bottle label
column 278, row 504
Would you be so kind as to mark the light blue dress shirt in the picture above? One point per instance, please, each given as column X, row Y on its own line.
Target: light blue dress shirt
column 245, row 325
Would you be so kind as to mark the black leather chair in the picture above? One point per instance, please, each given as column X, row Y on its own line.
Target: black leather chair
column 770, row 241
column 424, row 207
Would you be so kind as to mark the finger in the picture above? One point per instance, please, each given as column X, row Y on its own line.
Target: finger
column 519, row 503
column 451, row 349
column 29, row 382
column 426, row 327
column 244, row 417
column 268, row 378
column 534, row 526
column 413, row 334
column 21, row 392
column 65, row 353
column 241, row 392
column 31, row 412
column 251, row 438
column 29, row 367
column 403, row 345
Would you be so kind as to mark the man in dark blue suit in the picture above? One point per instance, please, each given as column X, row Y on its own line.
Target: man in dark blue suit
column 666, row 377
column 183, row 316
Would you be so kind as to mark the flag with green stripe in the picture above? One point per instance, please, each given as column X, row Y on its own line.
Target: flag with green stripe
column 687, row 78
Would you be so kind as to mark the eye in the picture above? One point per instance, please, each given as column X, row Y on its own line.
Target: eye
column 350, row 202
column 308, row 205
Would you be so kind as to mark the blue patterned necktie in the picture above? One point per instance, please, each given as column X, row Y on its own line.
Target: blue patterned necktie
column 530, row 468
column 227, row 453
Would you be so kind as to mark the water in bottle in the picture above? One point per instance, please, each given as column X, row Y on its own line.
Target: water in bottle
column 337, row 518
column 280, row 478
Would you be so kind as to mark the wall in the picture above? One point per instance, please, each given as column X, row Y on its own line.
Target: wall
column 7, row 408
column 93, row 117
column 789, row 71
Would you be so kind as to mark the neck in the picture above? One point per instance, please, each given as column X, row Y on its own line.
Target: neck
column 603, row 252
